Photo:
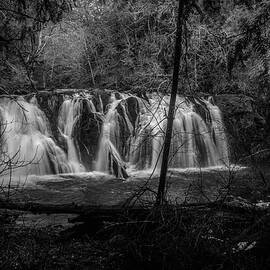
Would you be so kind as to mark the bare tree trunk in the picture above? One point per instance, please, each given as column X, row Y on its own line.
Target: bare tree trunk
column 89, row 62
column 168, row 135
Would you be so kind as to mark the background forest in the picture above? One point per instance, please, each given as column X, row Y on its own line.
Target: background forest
column 128, row 45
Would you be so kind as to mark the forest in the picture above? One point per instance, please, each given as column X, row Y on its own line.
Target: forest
column 134, row 134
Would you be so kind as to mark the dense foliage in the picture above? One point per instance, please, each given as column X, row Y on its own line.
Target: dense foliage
column 21, row 43
column 129, row 45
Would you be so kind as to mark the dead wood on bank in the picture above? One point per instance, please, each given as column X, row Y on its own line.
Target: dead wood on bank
column 232, row 205
column 240, row 224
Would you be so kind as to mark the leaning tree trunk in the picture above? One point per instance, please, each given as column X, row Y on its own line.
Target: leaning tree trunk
column 168, row 135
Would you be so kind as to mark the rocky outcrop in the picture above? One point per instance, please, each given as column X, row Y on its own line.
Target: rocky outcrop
column 244, row 125
column 87, row 134
column 50, row 105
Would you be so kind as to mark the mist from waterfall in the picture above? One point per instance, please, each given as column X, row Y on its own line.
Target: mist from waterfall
column 128, row 133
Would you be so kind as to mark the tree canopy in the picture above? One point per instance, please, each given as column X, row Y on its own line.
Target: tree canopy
column 128, row 45
column 21, row 43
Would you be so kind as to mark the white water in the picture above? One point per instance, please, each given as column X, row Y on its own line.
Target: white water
column 69, row 114
column 28, row 145
column 109, row 159
column 192, row 144
column 218, row 132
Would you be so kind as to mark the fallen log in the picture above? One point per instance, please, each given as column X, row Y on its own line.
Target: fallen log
column 90, row 210
column 103, row 220
column 235, row 205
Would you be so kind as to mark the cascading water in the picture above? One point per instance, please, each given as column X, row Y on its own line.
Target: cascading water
column 68, row 116
column 218, row 132
column 26, row 143
column 109, row 159
column 113, row 134
column 195, row 143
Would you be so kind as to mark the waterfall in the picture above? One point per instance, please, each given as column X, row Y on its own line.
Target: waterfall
column 109, row 159
column 195, row 142
column 109, row 133
column 26, row 142
column 69, row 115
column 218, row 132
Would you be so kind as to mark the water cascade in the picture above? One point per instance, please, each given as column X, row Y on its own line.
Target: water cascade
column 26, row 142
column 109, row 133
column 109, row 158
column 195, row 142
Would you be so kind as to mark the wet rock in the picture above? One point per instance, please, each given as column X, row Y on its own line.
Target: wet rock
column 200, row 108
column 133, row 109
column 50, row 104
column 87, row 135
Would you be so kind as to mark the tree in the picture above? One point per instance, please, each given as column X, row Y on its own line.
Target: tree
column 169, row 129
column 20, row 40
